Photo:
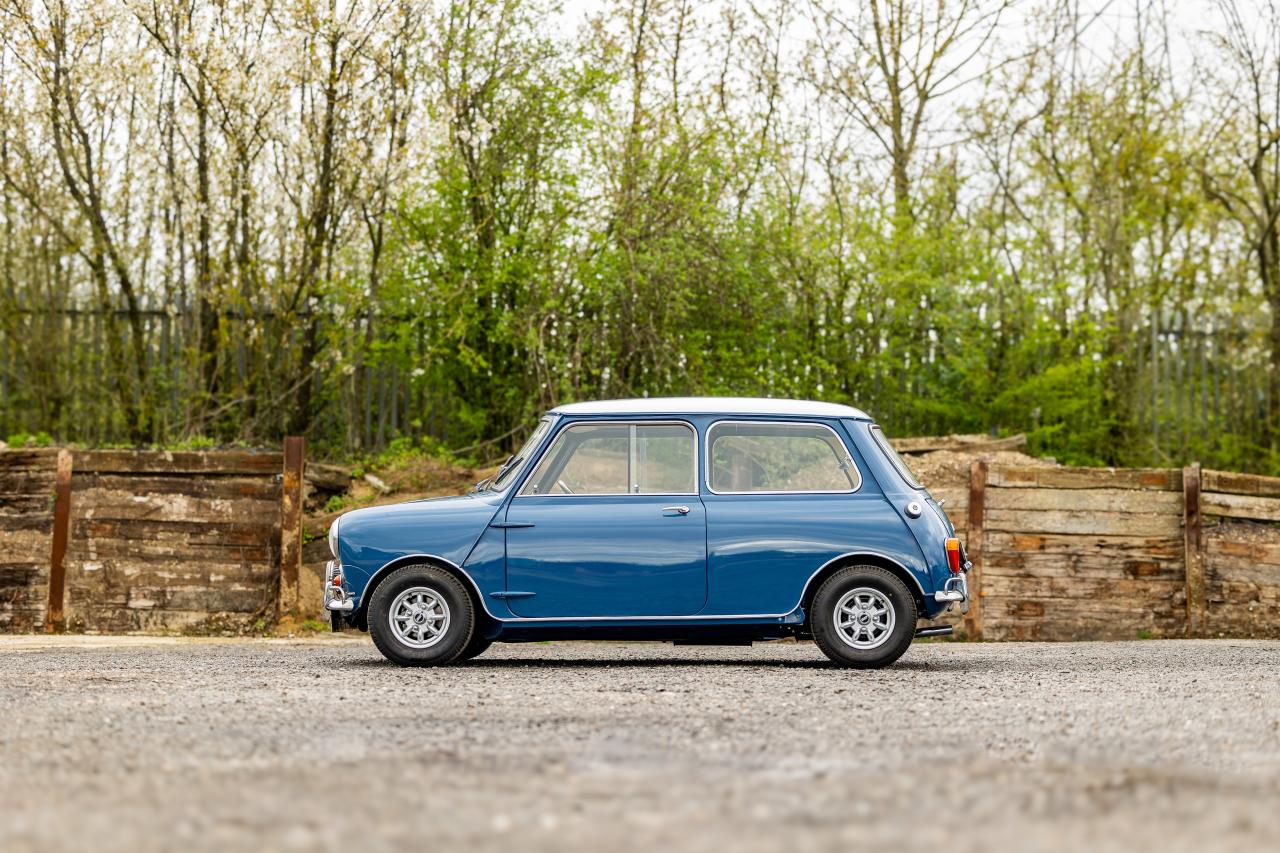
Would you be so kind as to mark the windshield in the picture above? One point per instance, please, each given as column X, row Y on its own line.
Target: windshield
column 898, row 462
column 511, row 468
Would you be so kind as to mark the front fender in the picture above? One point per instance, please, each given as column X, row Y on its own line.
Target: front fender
column 370, row 538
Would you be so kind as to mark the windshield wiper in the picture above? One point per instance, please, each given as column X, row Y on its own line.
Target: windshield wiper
column 512, row 461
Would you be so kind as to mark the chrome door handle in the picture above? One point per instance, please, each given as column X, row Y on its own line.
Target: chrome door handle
column 683, row 510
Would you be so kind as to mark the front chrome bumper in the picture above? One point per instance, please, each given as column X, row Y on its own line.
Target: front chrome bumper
column 336, row 599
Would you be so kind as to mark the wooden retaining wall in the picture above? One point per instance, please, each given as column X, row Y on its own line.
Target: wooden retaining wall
column 124, row 541
column 111, row 540
column 1094, row 553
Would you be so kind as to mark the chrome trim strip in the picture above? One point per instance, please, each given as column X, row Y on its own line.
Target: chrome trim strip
column 706, row 458
column 551, row 445
column 703, row 617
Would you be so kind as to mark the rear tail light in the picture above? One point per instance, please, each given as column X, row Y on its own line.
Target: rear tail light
column 337, row 580
column 953, row 555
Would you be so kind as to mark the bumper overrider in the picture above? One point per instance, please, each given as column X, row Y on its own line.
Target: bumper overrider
column 956, row 588
column 336, row 599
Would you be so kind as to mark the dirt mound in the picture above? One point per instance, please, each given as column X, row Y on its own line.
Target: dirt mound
column 942, row 468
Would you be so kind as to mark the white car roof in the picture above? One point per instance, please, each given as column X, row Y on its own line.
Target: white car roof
column 712, row 406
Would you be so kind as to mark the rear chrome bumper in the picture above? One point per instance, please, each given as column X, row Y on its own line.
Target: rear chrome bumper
column 954, row 591
column 336, row 599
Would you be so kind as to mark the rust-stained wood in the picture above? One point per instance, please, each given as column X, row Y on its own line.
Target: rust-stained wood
column 55, row 617
column 974, row 545
column 291, row 522
column 1147, row 479
column 967, row 443
column 1194, row 575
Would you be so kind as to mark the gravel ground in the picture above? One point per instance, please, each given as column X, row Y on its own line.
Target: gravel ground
column 140, row 744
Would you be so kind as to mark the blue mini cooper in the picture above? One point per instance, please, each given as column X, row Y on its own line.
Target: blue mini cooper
column 702, row 520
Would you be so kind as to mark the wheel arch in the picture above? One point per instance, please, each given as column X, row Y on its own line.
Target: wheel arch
column 864, row 558
column 361, row 616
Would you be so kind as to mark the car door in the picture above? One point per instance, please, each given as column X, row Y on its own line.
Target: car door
column 609, row 524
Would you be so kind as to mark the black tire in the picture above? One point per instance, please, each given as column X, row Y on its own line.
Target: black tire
column 476, row 647
column 882, row 586
column 435, row 582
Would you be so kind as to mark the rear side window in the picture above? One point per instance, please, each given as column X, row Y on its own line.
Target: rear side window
column 745, row 456
column 894, row 458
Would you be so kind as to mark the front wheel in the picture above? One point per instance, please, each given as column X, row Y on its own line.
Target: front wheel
column 421, row 616
column 863, row 617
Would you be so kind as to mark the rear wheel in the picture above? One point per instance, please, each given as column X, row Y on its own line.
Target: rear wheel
column 863, row 617
column 421, row 616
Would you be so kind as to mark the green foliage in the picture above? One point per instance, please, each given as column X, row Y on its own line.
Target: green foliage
column 22, row 439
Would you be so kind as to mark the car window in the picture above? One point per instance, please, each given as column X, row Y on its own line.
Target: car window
column 664, row 459
column 895, row 458
column 617, row 458
column 771, row 457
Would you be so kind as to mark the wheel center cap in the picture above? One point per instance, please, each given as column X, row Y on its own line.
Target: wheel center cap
column 863, row 618
column 419, row 618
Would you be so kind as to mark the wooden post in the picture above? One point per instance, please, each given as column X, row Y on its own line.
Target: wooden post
column 974, row 545
column 1193, row 550
column 291, row 523
column 55, row 616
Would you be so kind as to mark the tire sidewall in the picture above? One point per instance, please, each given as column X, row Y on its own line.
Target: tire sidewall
column 461, row 616
column 822, row 617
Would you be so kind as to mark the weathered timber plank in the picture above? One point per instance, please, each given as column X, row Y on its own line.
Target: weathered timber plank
column 967, row 443
column 1120, row 547
column 1076, row 565
column 214, row 533
column 265, row 463
column 145, row 552
column 118, row 505
column 1263, row 553
column 26, row 481
column 1241, row 506
column 37, row 458
column 1241, row 484
column 1147, row 479
column 329, row 478
column 213, row 574
column 26, row 521
column 1091, row 500
column 198, row 486
column 1236, row 570
column 1101, row 593
column 1079, row 521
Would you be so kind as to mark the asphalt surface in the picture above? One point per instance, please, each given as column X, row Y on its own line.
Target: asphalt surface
column 135, row 744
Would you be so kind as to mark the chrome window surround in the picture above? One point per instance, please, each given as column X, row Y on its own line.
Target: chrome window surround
column 631, row 460
column 706, row 456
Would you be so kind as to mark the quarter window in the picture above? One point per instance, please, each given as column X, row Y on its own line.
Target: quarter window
column 617, row 459
column 773, row 457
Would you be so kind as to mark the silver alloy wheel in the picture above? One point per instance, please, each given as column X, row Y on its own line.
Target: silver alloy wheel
column 419, row 617
column 864, row 618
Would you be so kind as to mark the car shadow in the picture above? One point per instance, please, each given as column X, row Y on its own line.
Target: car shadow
column 505, row 663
